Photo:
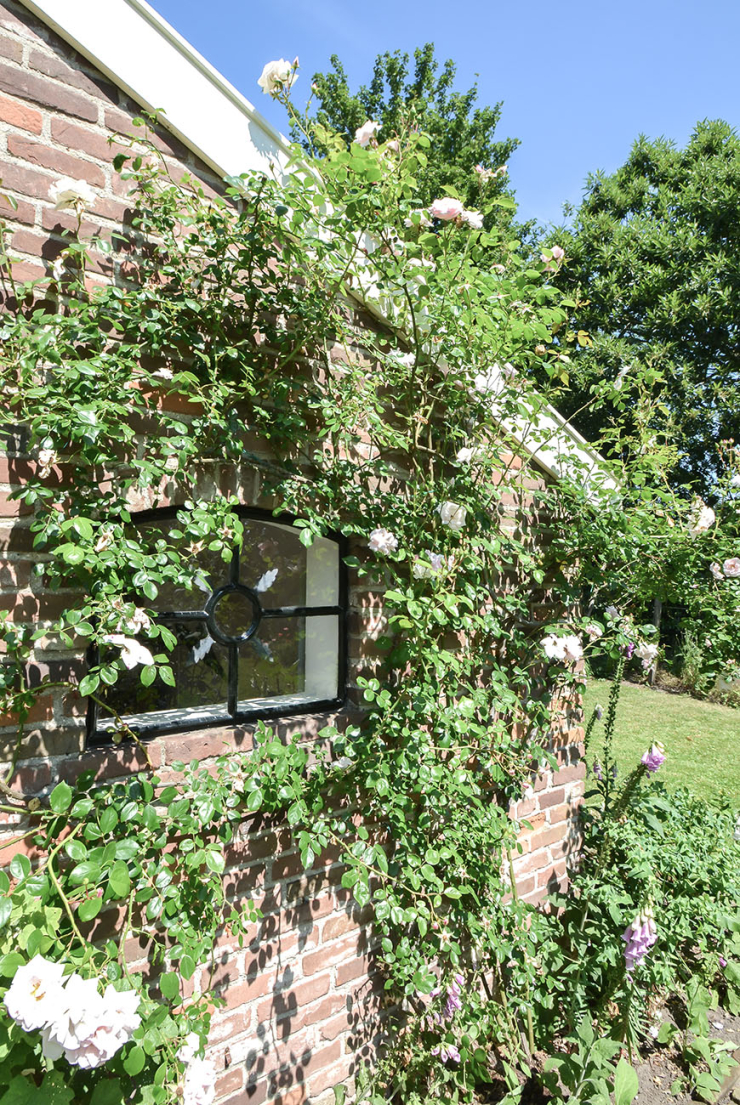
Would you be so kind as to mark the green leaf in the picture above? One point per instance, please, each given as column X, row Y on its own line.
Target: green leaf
column 89, row 684
column 626, row 1084
column 169, row 984
column 108, row 1092
column 215, row 861
column 119, row 879
column 20, row 866
column 61, row 797
column 187, row 966
column 89, row 909
column 87, row 871
column 134, row 1062
column 666, row 1033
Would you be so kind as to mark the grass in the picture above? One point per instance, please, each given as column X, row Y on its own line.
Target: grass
column 702, row 739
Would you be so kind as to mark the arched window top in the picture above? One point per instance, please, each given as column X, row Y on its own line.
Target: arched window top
column 260, row 636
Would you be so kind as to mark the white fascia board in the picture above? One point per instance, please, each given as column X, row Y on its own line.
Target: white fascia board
column 142, row 54
column 146, row 57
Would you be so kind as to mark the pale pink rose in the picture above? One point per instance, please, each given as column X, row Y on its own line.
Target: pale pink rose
column 36, row 995
column 558, row 253
column 716, row 570
column 47, row 459
column 367, row 131
column 382, row 541
column 446, row 209
column 702, row 519
column 425, row 568
column 731, row 567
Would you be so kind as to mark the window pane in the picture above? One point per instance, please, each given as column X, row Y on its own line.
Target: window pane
column 273, row 562
column 200, row 667
column 212, row 573
column 294, row 657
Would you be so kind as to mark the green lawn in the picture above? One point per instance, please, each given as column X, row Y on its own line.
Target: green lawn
column 702, row 740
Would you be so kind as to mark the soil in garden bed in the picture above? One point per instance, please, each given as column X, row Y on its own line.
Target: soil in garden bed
column 657, row 1071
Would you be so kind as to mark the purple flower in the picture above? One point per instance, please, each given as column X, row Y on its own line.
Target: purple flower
column 654, row 757
column 598, row 771
column 628, row 649
column 447, row 1051
column 639, row 937
column 722, row 961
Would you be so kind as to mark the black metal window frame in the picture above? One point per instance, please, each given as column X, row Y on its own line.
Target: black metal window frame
column 206, row 719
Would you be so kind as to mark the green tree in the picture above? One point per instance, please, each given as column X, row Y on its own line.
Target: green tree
column 653, row 263
column 462, row 134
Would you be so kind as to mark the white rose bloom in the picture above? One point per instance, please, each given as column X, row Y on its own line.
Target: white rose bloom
column 594, row 631
column 647, row 653
column 67, row 192
column 702, row 519
column 382, row 541
column 139, row 622
column 47, row 459
column 367, row 131
column 731, row 567
column 276, row 75
column 189, row 1048
column 716, row 570
column 554, row 647
column 611, row 612
column 572, row 648
column 474, row 219
column 36, row 995
column 132, row 653
column 453, row 515
column 200, row 1083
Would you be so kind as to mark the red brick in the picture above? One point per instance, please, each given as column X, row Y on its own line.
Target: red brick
column 552, row 798
column 109, row 763
column 19, row 212
column 91, row 142
column 16, row 574
column 40, row 90
column 29, row 182
column 19, row 115
column 570, row 774
column 545, row 837
column 15, row 538
column 38, row 153
column 361, row 965
column 51, row 65
column 291, row 1002
column 328, row 1078
column 340, row 951
column 37, row 245
column 11, row 48
column 11, row 508
column 230, row 1083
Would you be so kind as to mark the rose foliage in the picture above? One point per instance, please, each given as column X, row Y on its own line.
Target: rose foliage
column 244, row 308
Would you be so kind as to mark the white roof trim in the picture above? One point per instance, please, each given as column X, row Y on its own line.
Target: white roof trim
column 141, row 53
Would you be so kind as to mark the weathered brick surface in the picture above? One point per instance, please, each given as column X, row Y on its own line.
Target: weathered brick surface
column 303, row 1005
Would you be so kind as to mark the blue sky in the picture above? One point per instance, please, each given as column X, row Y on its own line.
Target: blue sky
column 580, row 79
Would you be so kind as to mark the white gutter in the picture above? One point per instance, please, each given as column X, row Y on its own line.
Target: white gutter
column 142, row 54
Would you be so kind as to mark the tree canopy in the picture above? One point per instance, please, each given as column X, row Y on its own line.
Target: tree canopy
column 653, row 263
column 400, row 98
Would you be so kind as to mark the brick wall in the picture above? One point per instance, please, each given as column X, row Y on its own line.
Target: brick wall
column 303, row 1006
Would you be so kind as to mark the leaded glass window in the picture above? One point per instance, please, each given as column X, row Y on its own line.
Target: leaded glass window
column 260, row 636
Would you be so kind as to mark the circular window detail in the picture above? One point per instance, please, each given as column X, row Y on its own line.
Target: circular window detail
column 234, row 614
